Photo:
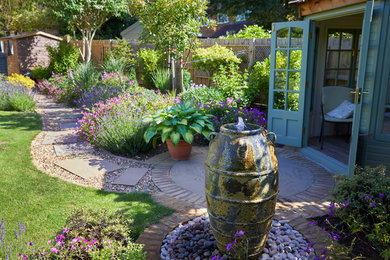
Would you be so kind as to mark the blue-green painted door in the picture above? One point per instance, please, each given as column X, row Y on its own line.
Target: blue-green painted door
column 288, row 83
column 360, row 93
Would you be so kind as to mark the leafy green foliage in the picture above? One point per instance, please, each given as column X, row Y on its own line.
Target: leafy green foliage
column 86, row 75
column 63, row 58
column 162, row 79
column 178, row 122
column 86, row 16
column 40, row 72
column 249, row 32
column 112, row 64
column 123, row 50
column 186, row 78
column 212, row 58
column 201, row 95
column 172, row 25
column 148, row 62
column 259, row 79
column 260, row 75
column 233, row 85
column 368, row 211
column 15, row 97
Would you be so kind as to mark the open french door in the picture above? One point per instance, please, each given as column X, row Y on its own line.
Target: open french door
column 289, row 80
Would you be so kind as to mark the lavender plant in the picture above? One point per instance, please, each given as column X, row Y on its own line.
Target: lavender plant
column 15, row 97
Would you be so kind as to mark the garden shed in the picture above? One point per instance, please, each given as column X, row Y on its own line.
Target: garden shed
column 334, row 104
column 26, row 51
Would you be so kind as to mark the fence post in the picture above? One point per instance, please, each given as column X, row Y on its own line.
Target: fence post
column 251, row 52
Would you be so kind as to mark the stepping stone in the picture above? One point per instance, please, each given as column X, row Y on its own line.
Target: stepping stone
column 70, row 116
column 67, row 126
column 60, row 137
column 162, row 158
column 57, row 111
column 72, row 149
column 88, row 167
column 131, row 176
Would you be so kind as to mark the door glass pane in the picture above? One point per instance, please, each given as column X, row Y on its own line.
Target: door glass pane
column 345, row 59
column 332, row 59
column 292, row 101
column 343, row 78
column 346, row 41
column 279, row 100
column 281, row 59
column 386, row 118
column 282, row 38
column 294, row 80
column 296, row 37
column 333, row 41
column 330, row 78
column 280, row 79
column 295, row 59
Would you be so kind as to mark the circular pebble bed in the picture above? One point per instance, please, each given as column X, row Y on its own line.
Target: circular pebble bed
column 195, row 240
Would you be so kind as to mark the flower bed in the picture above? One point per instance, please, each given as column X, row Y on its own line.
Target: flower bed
column 117, row 124
column 14, row 96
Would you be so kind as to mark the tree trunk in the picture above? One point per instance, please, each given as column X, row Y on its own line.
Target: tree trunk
column 173, row 70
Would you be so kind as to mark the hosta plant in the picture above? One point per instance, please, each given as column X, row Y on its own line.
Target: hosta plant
column 178, row 122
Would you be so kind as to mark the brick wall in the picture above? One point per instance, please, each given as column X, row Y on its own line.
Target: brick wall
column 32, row 52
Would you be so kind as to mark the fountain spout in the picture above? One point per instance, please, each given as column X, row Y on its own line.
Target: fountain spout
column 240, row 125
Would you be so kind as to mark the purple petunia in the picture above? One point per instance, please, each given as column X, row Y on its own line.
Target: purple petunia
column 228, row 247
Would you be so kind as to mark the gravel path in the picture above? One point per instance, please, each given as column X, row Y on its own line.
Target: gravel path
column 195, row 240
column 54, row 117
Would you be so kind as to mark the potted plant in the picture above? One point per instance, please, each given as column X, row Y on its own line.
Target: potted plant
column 177, row 125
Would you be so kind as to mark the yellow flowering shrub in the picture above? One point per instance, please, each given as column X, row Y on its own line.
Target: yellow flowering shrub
column 19, row 78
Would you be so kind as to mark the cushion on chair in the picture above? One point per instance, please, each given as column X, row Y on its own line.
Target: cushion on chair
column 342, row 111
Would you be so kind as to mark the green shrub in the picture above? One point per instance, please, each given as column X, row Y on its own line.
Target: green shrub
column 162, row 79
column 260, row 76
column 14, row 97
column 365, row 205
column 148, row 62
column 86, row 75
column 212, row 58
column 123, row 50
column 63, row 58
column 259, row 79
column 249, row 32
column 201, row 95
column 40, row 72
column 233, row 85
column 113, row 64
column 22, row 102
column 186, row 78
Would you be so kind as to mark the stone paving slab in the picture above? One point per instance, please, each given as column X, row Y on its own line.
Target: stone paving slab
column 72, row 149
column 88, row 167
column 131, row 176
column 60, row 137
column 67, row 126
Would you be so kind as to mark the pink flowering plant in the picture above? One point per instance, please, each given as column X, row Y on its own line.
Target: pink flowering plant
column 92, row 235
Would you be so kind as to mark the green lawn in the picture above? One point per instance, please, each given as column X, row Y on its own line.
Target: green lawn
column 42, row 202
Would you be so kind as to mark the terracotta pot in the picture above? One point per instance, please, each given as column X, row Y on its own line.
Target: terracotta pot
column 181, row 151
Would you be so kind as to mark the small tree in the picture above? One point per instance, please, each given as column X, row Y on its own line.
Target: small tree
column 172, row 25
column 86, row 16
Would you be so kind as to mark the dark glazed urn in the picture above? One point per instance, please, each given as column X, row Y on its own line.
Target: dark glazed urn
column 241, row 186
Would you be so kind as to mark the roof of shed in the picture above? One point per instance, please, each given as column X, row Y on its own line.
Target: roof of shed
column 30, row 34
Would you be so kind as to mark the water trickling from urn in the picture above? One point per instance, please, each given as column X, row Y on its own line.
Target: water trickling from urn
column 240, row 125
